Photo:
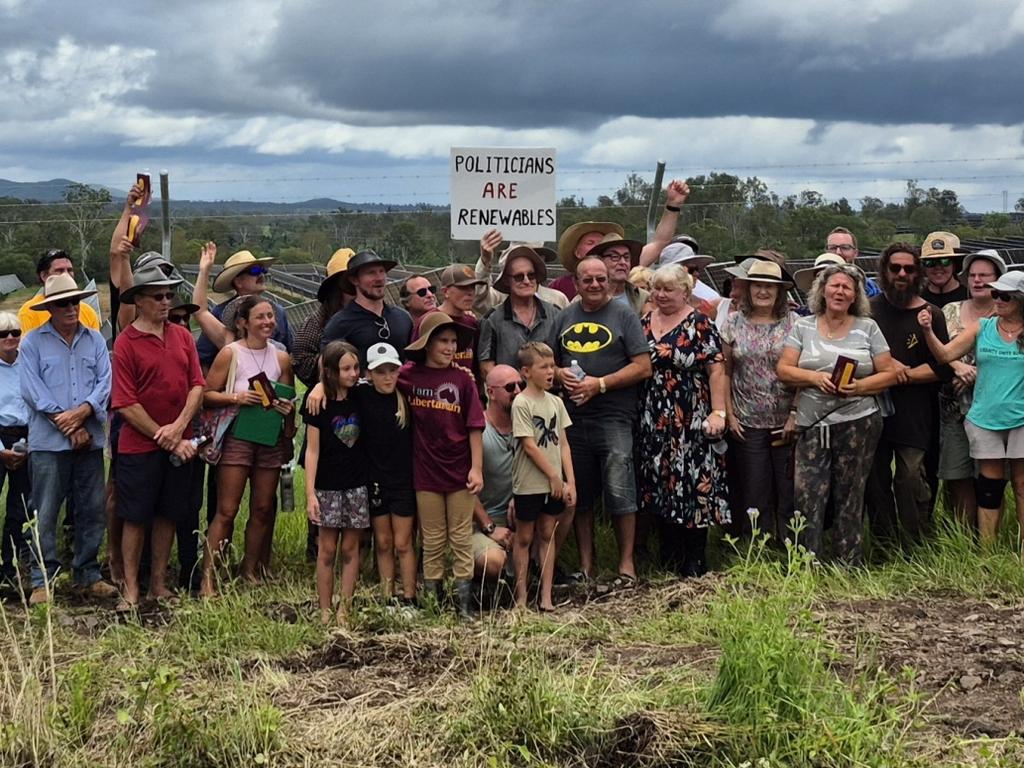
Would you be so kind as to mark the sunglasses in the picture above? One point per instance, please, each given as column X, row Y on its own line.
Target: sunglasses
column 939, row 262
column 178, row 319
column 422, row 292
column 165, row 296
column 383, row 329
column 895, row 269
column 515, row 386
column 1000, row 296
column 57, row 253
column 601, row 280
column 256, row 270
column 65, row 303
column 525, row 277
column 16, row 333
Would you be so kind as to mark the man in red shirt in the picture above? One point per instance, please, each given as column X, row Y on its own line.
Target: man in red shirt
column 157, row 389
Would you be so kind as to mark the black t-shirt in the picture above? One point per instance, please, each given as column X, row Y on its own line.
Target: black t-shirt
column 916, row 405
column 362, row 328
column 942, row 299
column 342, row 462
column 388, row 446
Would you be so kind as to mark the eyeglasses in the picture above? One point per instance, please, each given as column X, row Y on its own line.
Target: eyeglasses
column 256, row 270
column 617, row 256
column 1000, row 296
column 515, row 386
column 166, row 296
column 524, row 277
column 422, row 292
column 844, row 248
column 895, row 269
column 15, row 333
column 383, row 329
column 65, row 303
column 938, row 262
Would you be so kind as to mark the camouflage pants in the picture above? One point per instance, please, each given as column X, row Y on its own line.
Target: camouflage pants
column 833, row 462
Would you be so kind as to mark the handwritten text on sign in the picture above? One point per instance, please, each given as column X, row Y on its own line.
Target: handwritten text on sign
column 512, row 190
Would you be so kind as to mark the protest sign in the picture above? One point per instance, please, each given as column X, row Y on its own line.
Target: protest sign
column 508, row 189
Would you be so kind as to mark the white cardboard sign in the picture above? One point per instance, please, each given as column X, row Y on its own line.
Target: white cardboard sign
column 508, row 189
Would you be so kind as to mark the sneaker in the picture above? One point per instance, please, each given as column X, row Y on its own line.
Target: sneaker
column 102, row 589
column 39, row 596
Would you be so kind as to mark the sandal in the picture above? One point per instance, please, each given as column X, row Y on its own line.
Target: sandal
column 123, row 606
column 624, row 581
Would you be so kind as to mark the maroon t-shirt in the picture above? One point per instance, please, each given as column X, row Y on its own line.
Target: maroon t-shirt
column 444, row 407
column 566, row 285
column 156, row 374
column 466, row 357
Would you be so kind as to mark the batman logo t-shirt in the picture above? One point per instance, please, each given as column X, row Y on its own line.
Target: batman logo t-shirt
column 602, row 342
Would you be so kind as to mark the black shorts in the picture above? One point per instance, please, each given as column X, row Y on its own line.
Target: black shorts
column 113, row 440
column 532, row 505
column 390, row 500
column 149, row 486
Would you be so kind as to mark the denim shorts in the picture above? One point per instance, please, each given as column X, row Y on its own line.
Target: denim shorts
column 602, row 460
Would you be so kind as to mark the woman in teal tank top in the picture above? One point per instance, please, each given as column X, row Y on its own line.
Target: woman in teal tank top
column 995, row 422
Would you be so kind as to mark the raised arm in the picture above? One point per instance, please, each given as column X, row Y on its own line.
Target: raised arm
column 955, row 349
column 676, row 195
column 212, row 327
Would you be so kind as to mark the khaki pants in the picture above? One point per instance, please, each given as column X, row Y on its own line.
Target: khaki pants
column 446, row 519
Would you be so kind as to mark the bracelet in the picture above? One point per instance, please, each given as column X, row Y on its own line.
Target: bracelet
column 719, row 414
column 673, row 208
column 601, row 386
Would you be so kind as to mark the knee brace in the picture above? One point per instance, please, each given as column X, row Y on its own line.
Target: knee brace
column 989, row 492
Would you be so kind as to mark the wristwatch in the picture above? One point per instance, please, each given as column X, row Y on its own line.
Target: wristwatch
column 489, row 529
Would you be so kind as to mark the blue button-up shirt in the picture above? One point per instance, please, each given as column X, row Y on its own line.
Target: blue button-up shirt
column 57, row 377
column 13, row 411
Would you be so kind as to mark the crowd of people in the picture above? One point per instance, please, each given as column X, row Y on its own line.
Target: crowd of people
column 479, row 424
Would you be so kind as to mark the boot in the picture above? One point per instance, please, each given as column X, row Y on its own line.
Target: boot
column 464, row 593
column 694, row 543
column 431, row 588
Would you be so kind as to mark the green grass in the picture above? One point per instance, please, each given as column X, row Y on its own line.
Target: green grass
column 726, row 672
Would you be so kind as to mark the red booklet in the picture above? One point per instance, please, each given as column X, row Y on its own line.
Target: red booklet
column 842, row 374
column 261, row 385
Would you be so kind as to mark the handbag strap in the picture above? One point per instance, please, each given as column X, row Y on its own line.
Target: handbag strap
column 229, row 383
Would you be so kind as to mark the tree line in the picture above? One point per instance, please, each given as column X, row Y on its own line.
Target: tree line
column 729, row 216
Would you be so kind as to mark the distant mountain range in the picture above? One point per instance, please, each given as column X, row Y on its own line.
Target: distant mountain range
column 52, row 191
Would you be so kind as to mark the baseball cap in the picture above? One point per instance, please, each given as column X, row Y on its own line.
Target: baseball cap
column 381, row 354
column 460, row 275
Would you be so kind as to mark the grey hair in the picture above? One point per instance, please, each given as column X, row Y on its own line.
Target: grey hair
column 9, row 322
column 816, row 296
column 673, row 274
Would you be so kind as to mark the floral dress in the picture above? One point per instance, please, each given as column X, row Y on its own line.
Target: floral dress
column 679, row 476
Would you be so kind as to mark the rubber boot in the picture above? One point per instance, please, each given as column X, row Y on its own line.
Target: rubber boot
column 464, row 594
column 694, row 542
column 431, row 587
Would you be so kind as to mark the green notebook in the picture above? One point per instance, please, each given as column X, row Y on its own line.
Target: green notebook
column 259, row 425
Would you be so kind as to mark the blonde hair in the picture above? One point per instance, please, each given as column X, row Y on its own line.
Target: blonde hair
column 9, row 322
column 402, row 414
column 816, row 296
column 531, row 351
column 641, row 277
column 673, row 275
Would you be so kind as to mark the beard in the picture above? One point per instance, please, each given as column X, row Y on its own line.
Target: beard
column 900, row 296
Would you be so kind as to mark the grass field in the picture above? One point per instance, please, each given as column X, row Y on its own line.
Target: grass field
column 774, row 660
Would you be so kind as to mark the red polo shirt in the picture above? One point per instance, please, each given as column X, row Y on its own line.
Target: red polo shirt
column 155, row 373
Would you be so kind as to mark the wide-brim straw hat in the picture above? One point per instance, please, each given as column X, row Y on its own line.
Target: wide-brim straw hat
column 804, row 278
column 941, row 245
column 337, row 268
column 762, row 271
column 571, row 237
column 989, row 255
column 60, row 288
column 611, row 240
column 234, row 266
column 149, row 276
column 504, row 281
column 431, row 323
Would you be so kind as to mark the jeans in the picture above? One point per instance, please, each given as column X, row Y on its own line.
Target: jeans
column 14, row 547
column 602, row 459
column 55, row 475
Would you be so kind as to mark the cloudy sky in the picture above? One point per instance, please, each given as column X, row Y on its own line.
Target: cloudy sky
column 361, row 101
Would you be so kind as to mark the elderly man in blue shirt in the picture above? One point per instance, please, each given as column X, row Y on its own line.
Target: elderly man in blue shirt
column 64, row 372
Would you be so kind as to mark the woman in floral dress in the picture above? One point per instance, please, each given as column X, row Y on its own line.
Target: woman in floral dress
column 681, row 479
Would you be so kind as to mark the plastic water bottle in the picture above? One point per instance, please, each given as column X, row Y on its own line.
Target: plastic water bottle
column 20, row 447
column 719, row 446
column 196, row 442
column 577, row 371
column 287, row 484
